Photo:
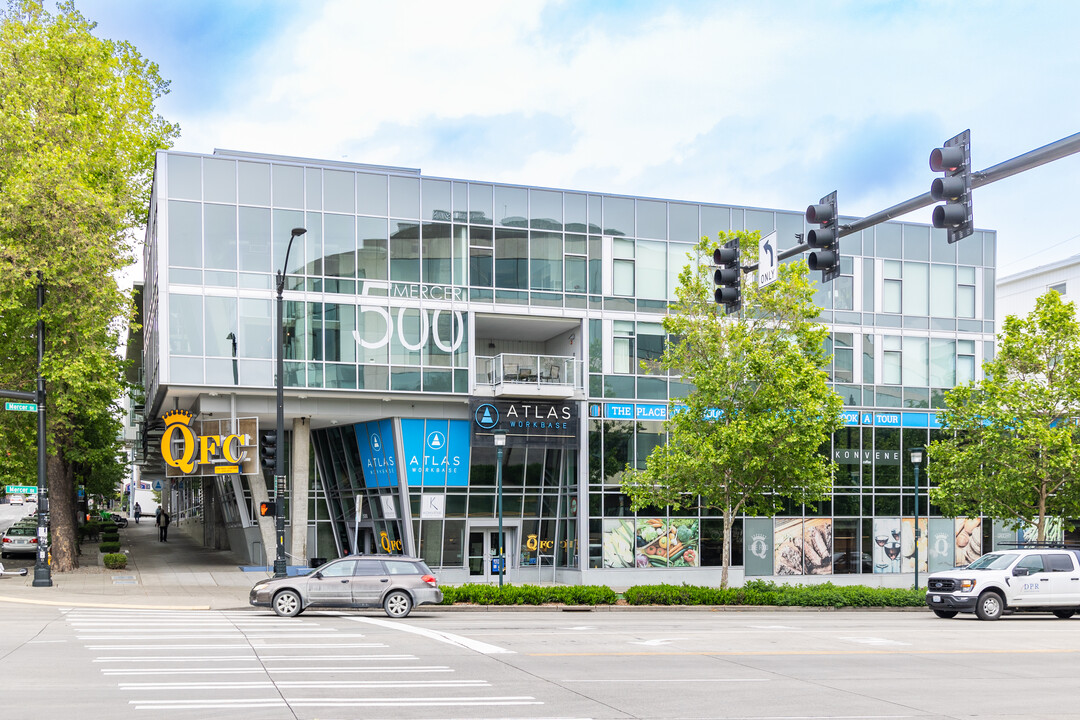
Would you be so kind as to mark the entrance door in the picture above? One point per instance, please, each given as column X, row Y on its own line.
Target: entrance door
column 483, row 548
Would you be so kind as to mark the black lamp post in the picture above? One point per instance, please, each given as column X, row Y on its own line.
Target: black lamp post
column 916, row 461
column 499, row 436
column 279, row 475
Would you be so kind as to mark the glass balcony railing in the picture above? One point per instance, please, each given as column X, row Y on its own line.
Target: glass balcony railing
column 535, row 370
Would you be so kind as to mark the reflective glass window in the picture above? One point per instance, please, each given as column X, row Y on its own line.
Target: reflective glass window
column 577, row 214
column 220, row 323
column 943, row 290
column 339, row 191
column 404, row 197
column 435, row 199
column 511, row 206
column 371, row 248
column 437, row 253
column 683, row 222
column 185, row 324
column 713, row 221
column 288, row 186
column 371, row 194
column 480, row 204
column 892, row 288
column 916, row 361
column 942, row 362
column 253, row 180
column 545, row 210
column 185, row 234
column 618, row 216
column 892, row 359
column 256, row 329
column 219, row 180
column 339, row 245
column 313, row 244
column 652, row 219
column 652, row 269
column 623, row 277
column 916, row 289
column 284, row 222
column 916, row 242
column 405, row 251
column 480, row 256
column 254, row 239
column 338, row 324
column 220, row 230
column 313, row 188
column 185, row 177
column 545, row 254
column 511, row 259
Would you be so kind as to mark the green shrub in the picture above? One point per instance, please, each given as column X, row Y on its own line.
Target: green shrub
column 109, row 547
column 115, row 561
column 765, row 592
column 110, row 537
column 477, row 594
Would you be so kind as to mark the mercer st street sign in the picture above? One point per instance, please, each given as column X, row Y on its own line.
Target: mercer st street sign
column 21, row 406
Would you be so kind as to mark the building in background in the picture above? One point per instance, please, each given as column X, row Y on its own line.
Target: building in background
column 1016, row 294
column 424, row 313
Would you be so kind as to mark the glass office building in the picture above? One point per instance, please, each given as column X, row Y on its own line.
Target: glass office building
column 424, row 315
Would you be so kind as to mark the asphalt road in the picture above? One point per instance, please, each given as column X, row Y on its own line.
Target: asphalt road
column 108, row 663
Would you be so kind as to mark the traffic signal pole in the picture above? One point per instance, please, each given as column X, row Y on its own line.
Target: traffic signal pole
column 1029, row 160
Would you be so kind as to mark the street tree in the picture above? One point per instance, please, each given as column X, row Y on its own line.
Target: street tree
column 1012, row 445
column 749, row 434
column 78, row 132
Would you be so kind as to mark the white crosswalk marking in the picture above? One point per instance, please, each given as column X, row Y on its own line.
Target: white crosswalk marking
column 238, row 662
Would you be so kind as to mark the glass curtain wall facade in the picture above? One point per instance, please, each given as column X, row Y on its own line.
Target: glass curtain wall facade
column 391, row 292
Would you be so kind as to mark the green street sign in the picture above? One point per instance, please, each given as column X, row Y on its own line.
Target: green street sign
column 21, row 406
column 21, row 490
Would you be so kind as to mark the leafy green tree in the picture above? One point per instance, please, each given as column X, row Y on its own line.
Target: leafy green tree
column 78, row 134
column 1014, row 451
column 749, row 433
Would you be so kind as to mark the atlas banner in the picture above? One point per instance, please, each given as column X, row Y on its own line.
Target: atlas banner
column 436, row 452
column 757, row 547
column 940, row 544
column 375, row 441
column 209, row 448
column 527, row 423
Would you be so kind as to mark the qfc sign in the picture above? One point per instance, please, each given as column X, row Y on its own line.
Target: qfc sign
column 195, row 450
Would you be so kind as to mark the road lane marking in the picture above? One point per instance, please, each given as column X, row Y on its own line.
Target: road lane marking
column 736, row 653
column 282, row 670
column 479, row 701
column 321, row 684
column 253, row 658
column 448, row 638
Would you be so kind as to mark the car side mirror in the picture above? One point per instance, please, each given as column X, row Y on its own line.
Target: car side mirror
column 317, row 575
column 1021, row 571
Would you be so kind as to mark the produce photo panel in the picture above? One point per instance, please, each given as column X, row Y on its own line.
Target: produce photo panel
column 968, row 540
column 787, row 547
column 618, row 543
column 817, row 542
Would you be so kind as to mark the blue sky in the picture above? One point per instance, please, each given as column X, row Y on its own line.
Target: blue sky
column 764, row 103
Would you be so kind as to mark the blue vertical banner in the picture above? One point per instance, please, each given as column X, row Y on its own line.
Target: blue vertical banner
column 375, row 441
column 436, row 451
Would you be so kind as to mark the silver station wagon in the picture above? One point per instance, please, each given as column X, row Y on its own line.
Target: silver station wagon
column 395, row 583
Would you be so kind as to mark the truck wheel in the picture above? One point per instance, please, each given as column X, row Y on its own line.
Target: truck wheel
column 946, row 613
column 1064, row 614
column 990, row 606
column 287, row 604
column 397, row 604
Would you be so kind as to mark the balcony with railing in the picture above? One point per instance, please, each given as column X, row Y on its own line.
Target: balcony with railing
column 521, row 375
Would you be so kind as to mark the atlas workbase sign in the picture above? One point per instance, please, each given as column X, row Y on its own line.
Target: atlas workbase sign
column 526, row 423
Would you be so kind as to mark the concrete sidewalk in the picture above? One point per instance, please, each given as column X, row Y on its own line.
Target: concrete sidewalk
column 178, row 574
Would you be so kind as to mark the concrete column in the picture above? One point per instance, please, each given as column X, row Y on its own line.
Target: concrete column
column 301, row 444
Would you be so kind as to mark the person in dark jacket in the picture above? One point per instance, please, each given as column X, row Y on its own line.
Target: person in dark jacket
column 162, row 522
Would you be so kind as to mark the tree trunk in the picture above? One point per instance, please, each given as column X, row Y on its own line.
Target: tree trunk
column 726, row 553
column 62, row 510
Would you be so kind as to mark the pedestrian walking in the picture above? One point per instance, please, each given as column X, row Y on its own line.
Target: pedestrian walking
column 138, row 513
column 163, row 525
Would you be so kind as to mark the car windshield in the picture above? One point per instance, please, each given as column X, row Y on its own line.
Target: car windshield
column 992, row 561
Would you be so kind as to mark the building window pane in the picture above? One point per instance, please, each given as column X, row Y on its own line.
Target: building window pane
column 372, row 244
column 943, row 291
column 436, row 200
column 219, row 180
column 512, row 259
column 942, row 363
column 405, row 252
column 185, row 234
column 652, row 278
column 437, row 254
column 623, row 280
column 371, row 194
column 546, row 250
column 892, row 359
column 916, row 289
column 185, row 177
column 511, row 206
column 288, row 186
column 404, row 197
column 339, row 246
column 185, row 324
column 254, row 239
column 965, row 301
column 220, row 230
column 256, row 331
column 916, row 361
column 254, row 183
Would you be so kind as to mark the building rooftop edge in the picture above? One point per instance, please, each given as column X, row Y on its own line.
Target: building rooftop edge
column 1056, row 265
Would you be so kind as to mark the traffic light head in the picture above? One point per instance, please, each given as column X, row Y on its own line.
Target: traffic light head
column 824, row 239
column 954, row 160
column 267, row 509
column 268, row 451
column 728, row 276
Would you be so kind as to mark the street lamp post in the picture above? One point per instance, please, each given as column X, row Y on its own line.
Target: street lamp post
column 279, row 475
column 916, row 461
column 499, row 436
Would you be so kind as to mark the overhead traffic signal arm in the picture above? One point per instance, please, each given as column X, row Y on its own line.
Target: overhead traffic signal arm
column 824, row 238
column 728, row 276
column 954, row 188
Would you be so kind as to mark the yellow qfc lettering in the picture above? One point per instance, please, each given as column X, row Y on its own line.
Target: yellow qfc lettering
column 389, row 545
column 176, row 421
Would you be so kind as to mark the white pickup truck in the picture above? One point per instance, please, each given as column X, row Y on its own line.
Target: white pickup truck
column 1034, row 579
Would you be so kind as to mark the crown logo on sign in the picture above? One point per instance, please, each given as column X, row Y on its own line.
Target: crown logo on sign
column 174, row 417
